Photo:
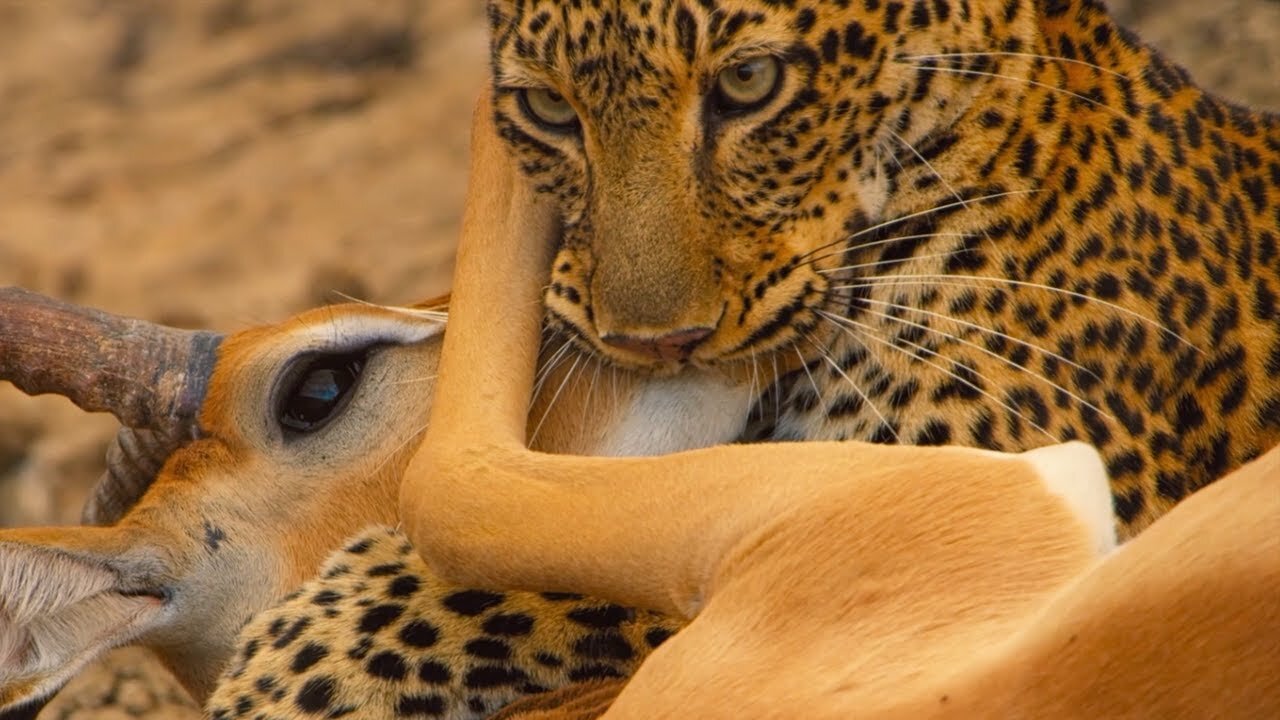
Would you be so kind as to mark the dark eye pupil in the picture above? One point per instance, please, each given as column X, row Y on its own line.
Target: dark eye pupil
column 745, row 72
column 322, row 387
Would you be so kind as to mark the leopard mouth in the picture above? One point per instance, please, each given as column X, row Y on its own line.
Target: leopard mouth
column 566, row 333
column 781, row 340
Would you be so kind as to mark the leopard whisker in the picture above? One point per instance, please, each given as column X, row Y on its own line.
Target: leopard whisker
column 1001, row 256
column 1031, row 56
column 997, row 356
column 552, row 363
column 914, row 215
column 426, row 313
column 777, row 379
column 548, row 335
column 414, row 381
column 804, row 364
column 1029, row 81
column 538, row 428
column 984, row 329
column 395, row 450
column 960, row 281
column 591, row 389
column 872, row 334
column 549, row 366
column 754, row 392
column 898, row 261
column 613, row 382
column 886, row 241
column 825, row 353
column 939, row 208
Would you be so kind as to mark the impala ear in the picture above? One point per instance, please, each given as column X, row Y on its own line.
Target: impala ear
column 1074, row 471
column 61, row 608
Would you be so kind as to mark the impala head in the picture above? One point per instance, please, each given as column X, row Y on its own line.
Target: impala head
column 249, row 459
column 282, row 440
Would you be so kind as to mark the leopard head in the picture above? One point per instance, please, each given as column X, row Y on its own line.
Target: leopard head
column 712, row 159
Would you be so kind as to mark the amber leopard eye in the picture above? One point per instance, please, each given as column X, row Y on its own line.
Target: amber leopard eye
column 748, row 84
column 549, row 108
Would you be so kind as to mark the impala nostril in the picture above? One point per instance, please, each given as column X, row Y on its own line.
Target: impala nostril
column 676, row 345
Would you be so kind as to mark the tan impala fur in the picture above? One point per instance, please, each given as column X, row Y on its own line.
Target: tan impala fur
column 1180, row 623
column 835, row 579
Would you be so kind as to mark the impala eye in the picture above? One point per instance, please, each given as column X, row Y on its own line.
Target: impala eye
column 317, row 388
column 749, row 84
column 549, row 108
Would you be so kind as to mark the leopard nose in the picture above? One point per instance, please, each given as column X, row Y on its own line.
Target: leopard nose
column 678, row 345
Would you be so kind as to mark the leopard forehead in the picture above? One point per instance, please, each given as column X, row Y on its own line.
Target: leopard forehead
column 639, row 75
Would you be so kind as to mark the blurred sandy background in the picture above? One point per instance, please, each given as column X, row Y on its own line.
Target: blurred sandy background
column 220, row 163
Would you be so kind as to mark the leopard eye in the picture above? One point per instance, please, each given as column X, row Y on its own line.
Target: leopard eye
column 549, row 108
column 749, row 84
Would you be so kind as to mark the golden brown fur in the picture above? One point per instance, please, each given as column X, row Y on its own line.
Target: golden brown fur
column 1194, row 596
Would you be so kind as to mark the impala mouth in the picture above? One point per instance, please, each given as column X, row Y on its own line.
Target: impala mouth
column 163, row 595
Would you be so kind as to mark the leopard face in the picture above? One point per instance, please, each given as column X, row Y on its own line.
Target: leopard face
column 713, row 159
column 998, row 223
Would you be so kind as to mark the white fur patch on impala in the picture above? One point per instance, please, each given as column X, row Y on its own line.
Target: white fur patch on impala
column 1074, row 471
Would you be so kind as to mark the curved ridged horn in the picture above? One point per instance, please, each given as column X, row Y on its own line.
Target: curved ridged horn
column 134, row 459
column 147, row 375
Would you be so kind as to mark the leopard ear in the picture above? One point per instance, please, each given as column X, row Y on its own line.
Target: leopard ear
column 61, row 607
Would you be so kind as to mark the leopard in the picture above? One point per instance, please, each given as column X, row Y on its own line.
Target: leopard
column 995, row 223
column 377, row 634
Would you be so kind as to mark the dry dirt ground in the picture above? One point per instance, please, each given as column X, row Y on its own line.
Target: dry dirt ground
column 220, row 163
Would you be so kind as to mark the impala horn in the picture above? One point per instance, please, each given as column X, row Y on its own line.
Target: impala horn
column 134, row 459
column 151, row 377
